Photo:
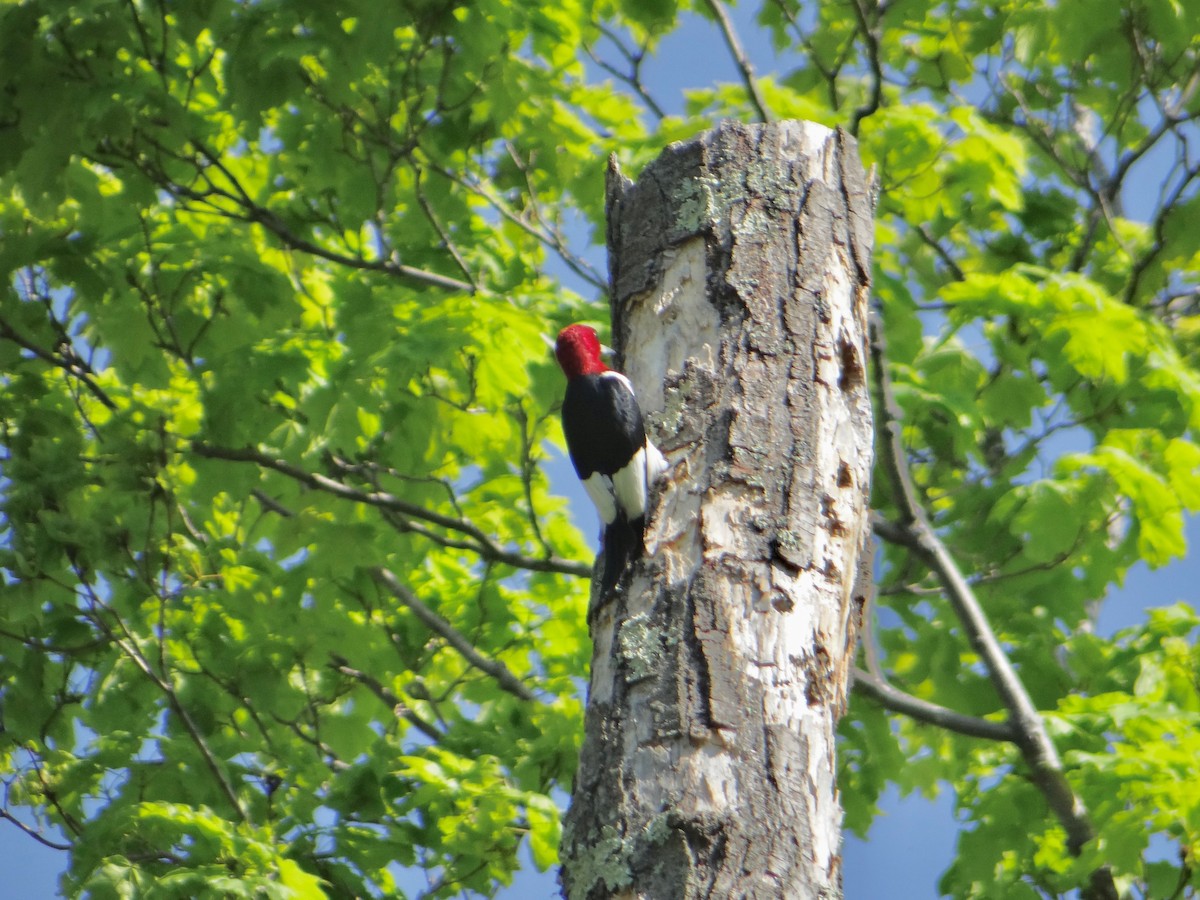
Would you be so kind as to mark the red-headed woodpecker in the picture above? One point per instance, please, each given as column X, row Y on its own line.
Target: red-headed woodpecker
column 606, row 438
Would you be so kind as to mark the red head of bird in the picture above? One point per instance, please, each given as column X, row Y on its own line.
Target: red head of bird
column 578, row 351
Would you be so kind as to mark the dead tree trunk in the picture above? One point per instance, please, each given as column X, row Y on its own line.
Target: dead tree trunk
column 740, row 269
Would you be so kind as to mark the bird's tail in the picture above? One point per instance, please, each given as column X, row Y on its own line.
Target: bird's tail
column 623, row 543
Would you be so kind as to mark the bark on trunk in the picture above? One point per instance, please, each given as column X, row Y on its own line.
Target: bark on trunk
column 740, row 266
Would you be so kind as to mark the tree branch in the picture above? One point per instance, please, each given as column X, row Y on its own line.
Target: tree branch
column 870, row 32
column 1028, row 729
column 391, row 266
column 632, row 78
column 554, row 241
column 494, row 668
column 242, row 207
column 891, row 697
column 128, row 645
column 70, row 366
column 740, row 59
column 1170, row 205
column 33, row 832
column 375, row 686
column 943, row 254
column 479, row 541
column 444, row 234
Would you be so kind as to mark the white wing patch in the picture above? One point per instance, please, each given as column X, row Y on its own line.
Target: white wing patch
column 630, row 486
column 600, row 489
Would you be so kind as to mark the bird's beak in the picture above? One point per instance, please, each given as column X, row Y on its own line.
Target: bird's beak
column 607, row 351
column 549, row 343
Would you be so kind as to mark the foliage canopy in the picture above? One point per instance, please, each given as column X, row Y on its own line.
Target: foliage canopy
column 288, row 602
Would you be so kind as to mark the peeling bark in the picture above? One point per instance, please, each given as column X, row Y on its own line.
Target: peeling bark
column 740, row 268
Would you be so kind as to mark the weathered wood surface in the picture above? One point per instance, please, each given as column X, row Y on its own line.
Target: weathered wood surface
column 740, row 265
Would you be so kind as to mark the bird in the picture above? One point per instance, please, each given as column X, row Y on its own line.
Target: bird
column 607, row 443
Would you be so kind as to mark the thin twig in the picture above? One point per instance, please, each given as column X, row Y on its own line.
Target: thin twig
column 246, row 210
column 813, row 55
column 128, row 645
column 444, row 234
column 70, row 366
column 873, row 682
column 1169, row 205
column 922, row 230
column 1103, row 197
column 528, row 469
column 392, row 266
column 375, row 686
column 1185, row 875
column 632, row 78
column 50, row 793
column 870, row 32
column 740, row 59
column 270, row 504
column 491, row 667
column 576, row 264
column 328, row 756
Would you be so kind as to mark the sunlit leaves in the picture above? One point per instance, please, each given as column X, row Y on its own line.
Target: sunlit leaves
column 1036, row 266
column 320, row 235
column 1126, row 458
column 217, row 206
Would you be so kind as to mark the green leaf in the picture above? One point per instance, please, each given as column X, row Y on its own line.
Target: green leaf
column 303, row 885
column 1046, row 521
column 234, row 384
column 545, row 834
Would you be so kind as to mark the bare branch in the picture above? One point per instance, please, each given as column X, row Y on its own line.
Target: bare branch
column 48, row 791
column 73, row 367
column 813, row 55
column 873, row 682
column 632, row 78
column 943, row 254
column 326, row 753
column 554, row 241
column 1166, row 208
column 391, row 267
column 455, row 638
column 271, row 504
column 870, row 32
column 479, row 542
column 1185, row 875
column 1105, row 199
column 740, row 59
column 891, row 697
column 1028, row 729
column 236, row 203
column 444, row 234
column 33, row 832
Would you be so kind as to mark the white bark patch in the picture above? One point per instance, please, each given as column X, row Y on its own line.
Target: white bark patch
column 673, row 326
